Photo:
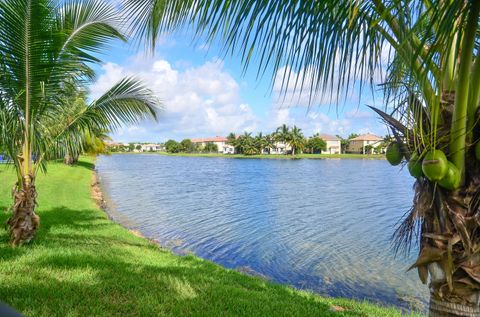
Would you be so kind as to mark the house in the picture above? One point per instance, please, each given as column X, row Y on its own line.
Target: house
column 221, row 143
column 115, row 146
column 151, row 147
column 364, row 143
column 280, row 147
column 333, row 144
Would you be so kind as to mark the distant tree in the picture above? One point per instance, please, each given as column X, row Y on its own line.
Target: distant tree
column 138, row 147
column 210, row 147
column 232, row 140
column 387, row 139
column 316, row 145
column 296, row 140
column 368, row 149
column 343, row 143
column 270, row 142
column 282, row 134
column 187, row 146
column 261, row 143
column 379, row 149
column 246, row 144
column 172, row 146
column 131, row 147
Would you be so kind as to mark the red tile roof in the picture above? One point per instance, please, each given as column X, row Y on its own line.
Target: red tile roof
column 367, row 137
column 328, row 137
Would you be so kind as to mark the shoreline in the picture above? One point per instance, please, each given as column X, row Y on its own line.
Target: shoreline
column 266, row 156
column 99, row 198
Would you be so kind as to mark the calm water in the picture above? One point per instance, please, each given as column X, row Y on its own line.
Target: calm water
column 322, row 225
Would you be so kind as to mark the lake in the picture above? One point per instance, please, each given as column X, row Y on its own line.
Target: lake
column 321, row 225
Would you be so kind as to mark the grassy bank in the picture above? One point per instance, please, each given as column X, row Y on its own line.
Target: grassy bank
column 82, row 264
column 274, row 156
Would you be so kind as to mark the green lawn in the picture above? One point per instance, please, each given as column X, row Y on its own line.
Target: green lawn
column 82, row 264
column 274, row 156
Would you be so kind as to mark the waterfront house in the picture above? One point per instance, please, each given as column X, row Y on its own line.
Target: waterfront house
column 333, row 144
column 221, row 142
column 280, row 147
column 364, row 144
column 151, row 147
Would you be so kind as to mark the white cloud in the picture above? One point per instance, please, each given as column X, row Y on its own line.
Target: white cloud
column 198, row 101
column 310, row 122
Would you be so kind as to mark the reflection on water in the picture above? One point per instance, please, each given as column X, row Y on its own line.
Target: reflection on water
column 322, row 225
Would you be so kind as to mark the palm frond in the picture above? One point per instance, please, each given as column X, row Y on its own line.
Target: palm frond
column 127, row 102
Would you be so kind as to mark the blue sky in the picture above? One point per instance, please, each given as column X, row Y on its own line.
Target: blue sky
column 205, row 93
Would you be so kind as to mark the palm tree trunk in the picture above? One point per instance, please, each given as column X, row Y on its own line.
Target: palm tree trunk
column 68, row 159
column 449, row 246
column 447, row 309
column 23, row 223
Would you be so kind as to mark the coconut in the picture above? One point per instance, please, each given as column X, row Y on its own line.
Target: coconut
column 394, row 154
column 435, row 165
column 452, row 178
column 415, row 166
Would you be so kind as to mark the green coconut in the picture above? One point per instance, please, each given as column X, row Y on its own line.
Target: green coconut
column 394, row 154
column 452, row 178
column 477, row 150
column 435, row 165
column 415, row 166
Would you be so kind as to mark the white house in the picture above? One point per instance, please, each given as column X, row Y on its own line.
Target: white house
column 221, row 143
column 151, row 147
column 333, row 144
column 358, row 144
column 280, row 147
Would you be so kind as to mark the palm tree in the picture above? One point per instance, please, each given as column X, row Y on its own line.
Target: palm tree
column 282, row 134
column 270, row 142
column 296, row 140
column 94, row 137
column 45, row 48
column 261, row 142
column 232, row 140
column 246, row 144
column 432, row 87
column 315, row 144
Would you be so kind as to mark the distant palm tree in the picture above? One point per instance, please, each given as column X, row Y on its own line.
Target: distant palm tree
column 270, row 142
column 296, row 140
column 233, row 141
column 247, row 144
column 282, row 134
column 261, row 142
column 46, row 47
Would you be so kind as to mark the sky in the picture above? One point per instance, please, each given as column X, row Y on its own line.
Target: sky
column 206, row 93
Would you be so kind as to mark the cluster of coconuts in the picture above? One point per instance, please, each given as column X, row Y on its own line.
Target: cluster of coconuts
column 434, row 166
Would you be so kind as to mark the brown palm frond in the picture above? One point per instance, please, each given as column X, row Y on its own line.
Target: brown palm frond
column 409, row 228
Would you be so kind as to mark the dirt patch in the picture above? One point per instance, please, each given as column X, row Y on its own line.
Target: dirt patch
column 97, row 194
column 336, row 308
column 139, row 234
